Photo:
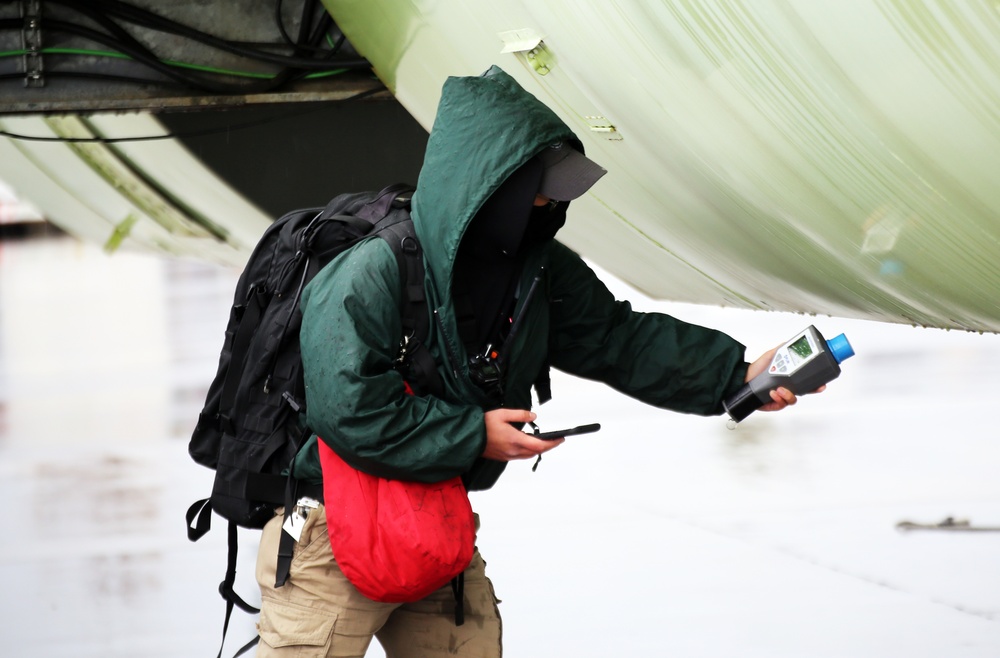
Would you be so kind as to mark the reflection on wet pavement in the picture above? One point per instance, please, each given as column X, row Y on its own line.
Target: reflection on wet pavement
column 103, row 365
column 781, row 532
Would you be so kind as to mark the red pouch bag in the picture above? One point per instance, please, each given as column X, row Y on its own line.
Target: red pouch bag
column 396, row 541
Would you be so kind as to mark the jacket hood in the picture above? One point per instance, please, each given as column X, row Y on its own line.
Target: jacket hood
column 487, row 128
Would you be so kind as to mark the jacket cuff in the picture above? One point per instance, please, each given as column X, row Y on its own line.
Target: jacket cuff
column 736, row 381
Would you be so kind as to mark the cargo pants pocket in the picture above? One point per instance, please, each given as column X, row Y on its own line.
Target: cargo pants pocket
column 288, row 629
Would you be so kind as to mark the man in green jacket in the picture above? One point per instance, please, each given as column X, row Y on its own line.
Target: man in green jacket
column 507, row 301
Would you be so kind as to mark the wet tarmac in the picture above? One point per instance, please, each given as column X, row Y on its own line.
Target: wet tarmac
column 661, row 535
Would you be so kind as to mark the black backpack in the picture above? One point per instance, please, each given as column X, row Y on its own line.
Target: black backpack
column 250, row 428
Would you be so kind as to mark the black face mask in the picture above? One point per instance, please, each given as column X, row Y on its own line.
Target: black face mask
column 489, row 259
column 497, row 229
column 544, row 223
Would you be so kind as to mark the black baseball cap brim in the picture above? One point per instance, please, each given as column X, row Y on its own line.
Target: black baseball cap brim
column 567, row 174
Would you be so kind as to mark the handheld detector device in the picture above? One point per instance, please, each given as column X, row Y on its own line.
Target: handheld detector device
column 801, row 365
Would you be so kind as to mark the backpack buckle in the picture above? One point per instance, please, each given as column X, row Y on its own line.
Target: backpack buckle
column 404, row 351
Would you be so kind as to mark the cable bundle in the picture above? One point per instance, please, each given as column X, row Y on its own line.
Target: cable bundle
column 107, row 27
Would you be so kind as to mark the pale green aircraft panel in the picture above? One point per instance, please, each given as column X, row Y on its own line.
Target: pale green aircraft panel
column 823, row 157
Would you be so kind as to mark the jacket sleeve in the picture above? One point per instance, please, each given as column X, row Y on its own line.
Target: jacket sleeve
column 653, row 357
column 355, row 401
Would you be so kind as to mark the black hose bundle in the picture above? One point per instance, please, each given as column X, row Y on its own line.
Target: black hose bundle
column 314, row 53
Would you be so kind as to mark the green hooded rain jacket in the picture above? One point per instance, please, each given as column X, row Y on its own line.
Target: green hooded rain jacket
column 486, row 128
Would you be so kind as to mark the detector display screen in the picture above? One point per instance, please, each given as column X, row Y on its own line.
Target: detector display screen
column 801, row 348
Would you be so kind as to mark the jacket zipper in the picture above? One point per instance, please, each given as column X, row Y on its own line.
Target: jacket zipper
column 452, row 357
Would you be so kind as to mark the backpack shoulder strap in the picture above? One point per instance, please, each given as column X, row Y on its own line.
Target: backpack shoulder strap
column 397, row 195
column 415, row 360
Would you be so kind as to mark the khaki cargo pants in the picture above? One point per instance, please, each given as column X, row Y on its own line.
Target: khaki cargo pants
column 318, row 613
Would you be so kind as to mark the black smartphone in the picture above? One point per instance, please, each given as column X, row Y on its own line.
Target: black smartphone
column 558, row 434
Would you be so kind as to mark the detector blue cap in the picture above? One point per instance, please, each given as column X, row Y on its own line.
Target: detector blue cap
column 840, row 348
